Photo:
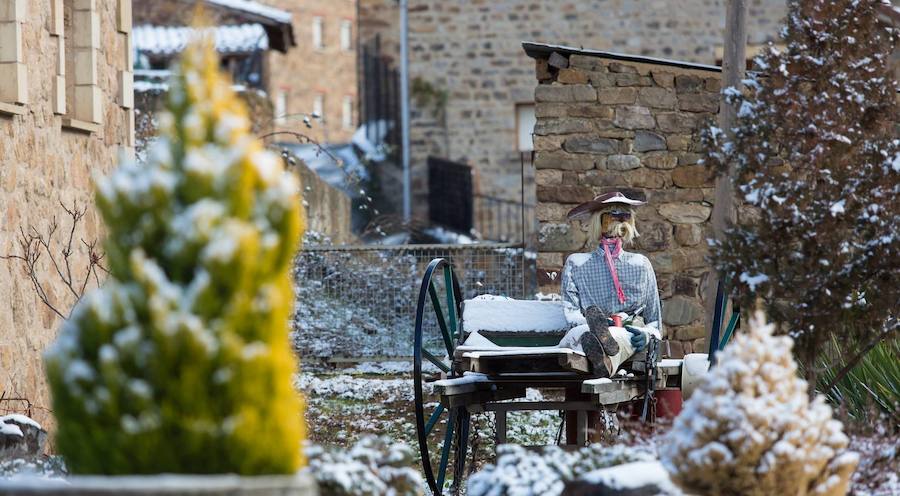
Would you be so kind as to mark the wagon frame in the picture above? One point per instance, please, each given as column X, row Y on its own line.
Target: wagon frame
column 473, row 381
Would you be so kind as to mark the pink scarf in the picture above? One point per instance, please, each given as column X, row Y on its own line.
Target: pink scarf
column 616, row 243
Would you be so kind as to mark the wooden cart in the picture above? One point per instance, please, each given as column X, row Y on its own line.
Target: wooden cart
column 478, row 370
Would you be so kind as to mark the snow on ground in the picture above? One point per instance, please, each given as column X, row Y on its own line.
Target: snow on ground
column 878, row 473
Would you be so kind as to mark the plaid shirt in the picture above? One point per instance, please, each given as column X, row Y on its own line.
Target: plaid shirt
column 586, row 281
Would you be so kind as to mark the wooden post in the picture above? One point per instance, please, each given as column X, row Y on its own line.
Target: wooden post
column 500, row 418
column 734, row 62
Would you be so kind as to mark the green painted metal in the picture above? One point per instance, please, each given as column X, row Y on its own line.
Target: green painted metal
column 729, row 330
column 445, row 450
column 439, row 312
column 433, row 419
column 435, row 360
column 451, row 301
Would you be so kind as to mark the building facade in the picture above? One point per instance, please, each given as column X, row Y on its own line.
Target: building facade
column 66, row 113
column 318, row 76
column 470, row 51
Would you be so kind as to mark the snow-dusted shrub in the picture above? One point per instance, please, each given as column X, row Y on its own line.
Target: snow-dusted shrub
column 52, row 467
column 750, row 428
column 817, row 158
column 520, row 471
column 180, row 362
column 374, row 466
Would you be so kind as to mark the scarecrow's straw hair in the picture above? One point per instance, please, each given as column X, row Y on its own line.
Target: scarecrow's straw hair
column 626, row 230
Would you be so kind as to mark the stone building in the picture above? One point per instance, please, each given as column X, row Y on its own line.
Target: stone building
column 66, row 113
column 614, row 122
column 470, row 51
column 308, row 56
column 319, row 74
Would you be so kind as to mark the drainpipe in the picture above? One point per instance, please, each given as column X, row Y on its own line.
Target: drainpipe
column 404, row 107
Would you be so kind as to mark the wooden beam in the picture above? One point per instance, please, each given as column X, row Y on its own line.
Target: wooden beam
column 500, row 416
column 734, row 62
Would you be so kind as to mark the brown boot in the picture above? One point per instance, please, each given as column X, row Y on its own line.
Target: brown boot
column 593, row 350
column 599, row 325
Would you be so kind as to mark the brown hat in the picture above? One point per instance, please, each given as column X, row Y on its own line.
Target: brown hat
column 600, row 201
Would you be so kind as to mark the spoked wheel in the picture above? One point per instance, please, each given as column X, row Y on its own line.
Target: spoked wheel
column 443, row 431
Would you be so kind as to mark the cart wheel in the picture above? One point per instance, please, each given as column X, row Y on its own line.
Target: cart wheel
column 443, row 431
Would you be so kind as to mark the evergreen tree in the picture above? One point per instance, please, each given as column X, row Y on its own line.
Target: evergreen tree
column 751, row 430
column 816, row 159
column 180, row 362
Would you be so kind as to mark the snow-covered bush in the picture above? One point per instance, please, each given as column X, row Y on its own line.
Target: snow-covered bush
column 817, row 159
column 750, row 428
column 180, row 362
column 52, row 467
column 374, row 466
column 523, row 472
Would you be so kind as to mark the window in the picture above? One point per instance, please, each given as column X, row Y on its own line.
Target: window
column 13, row 73
column 346, row 35
column 319, row 106
column 525, row 126
column 318, row 28
column 281, row 103
column 347, row 113
column 84, row 108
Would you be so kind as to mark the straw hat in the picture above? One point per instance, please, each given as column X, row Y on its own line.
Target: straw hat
column 585, row 210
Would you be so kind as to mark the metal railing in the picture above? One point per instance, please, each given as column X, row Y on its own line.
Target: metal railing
column 502, row 219
column 360, row 301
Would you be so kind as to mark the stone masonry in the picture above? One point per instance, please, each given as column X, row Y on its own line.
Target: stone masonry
column 49, row 151
column 471, row 49
column 608, row 124
column 306, row 72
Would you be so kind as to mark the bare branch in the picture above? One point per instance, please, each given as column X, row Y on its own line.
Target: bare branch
column 33, row 244
column 304, row 139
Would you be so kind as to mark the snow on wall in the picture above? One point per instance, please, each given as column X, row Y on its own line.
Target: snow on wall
column 491, row 313
column 171, row 40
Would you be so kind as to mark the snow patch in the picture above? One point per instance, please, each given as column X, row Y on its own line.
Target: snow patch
column 753, row 280
column 467, row 378
column 171, row 40
column 506, row 315
column 19, row 419
column 632, row 476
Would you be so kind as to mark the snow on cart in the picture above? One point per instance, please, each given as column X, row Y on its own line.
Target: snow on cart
column 489, row 349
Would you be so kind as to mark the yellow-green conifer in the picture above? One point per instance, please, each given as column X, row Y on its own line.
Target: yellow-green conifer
column 180, row 362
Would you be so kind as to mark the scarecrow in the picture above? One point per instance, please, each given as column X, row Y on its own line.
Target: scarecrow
column 608, row 284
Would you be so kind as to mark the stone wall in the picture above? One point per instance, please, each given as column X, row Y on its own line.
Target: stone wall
column 328, row 210
column 44, row 162
column 605, row 124
column 472, row 50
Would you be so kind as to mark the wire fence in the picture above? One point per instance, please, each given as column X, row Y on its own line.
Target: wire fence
column 358, row 302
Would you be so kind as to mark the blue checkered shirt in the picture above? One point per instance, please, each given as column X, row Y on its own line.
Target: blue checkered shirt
column 586, row 281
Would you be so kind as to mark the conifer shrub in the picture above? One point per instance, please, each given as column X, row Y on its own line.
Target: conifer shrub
column 817, row 160
column 373, row 466
column 180, row 362
column 750, row 428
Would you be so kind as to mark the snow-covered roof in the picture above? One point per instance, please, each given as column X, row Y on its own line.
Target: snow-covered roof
column 171, row 40
column 255, row 8
column 543, row 50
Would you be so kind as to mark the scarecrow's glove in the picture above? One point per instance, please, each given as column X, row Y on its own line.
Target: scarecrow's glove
column 640, row 336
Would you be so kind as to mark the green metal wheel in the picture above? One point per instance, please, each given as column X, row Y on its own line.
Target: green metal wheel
column 443, row 431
